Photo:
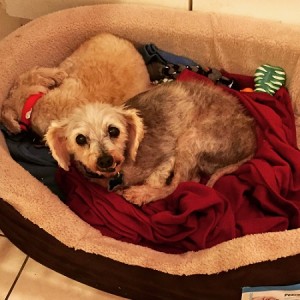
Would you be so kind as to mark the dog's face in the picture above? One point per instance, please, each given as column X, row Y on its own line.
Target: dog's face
column 97, row 136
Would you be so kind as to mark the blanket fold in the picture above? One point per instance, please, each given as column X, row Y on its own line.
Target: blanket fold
column 263, row 195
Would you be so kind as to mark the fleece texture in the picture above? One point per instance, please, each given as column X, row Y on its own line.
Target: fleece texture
column 236, row 44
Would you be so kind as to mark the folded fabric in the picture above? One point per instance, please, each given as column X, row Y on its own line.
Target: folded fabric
column 151, row 53
column 263, row 195
column 165, row 65
column 32, row 155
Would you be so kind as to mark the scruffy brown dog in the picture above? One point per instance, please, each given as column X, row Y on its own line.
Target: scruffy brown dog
column 105, row 68
column 172, row 133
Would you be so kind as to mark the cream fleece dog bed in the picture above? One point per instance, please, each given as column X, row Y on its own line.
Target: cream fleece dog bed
column 37, row 221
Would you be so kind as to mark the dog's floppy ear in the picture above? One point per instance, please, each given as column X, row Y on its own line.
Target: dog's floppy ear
column 135, row 131
column 9, row 118
column 56, row 140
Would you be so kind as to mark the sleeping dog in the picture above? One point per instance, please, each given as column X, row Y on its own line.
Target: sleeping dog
column 105, row 68
column 172, row 133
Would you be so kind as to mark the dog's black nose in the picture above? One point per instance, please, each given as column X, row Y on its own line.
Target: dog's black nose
column 105, row 161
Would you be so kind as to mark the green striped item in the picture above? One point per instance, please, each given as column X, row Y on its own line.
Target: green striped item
column 269, row 79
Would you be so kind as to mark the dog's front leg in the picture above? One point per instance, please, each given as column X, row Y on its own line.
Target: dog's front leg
column 183, row 165
column 157, row 186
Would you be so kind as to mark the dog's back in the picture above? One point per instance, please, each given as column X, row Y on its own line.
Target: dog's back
column 201, row 125
column 107, row 67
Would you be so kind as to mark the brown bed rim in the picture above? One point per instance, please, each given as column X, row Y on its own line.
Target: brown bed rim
column 135, row 282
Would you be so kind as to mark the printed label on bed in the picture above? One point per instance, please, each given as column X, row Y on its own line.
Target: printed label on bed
column 288, row 292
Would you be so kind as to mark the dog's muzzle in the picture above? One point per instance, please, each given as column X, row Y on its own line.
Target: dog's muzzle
column 107, row 164
column 113, row 183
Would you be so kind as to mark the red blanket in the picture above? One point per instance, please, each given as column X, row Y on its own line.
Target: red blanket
column 263, row 195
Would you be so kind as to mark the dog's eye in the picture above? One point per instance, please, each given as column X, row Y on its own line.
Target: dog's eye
column 113, row 131
column 81, row 139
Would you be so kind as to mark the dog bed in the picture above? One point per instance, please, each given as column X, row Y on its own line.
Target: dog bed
column 41, row 225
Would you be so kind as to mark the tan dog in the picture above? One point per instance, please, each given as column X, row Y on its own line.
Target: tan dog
column 173, row 133
column 105, row 68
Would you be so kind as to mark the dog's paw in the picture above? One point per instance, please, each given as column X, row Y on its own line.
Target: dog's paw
column 9, row 120
column 137, row 195
column 59, row 76
column 52, row 78
column 46, row 77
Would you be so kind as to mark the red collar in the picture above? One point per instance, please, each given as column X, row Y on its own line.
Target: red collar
column 25, row 121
